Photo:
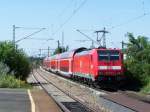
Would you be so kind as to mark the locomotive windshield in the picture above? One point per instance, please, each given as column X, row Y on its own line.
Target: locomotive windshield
column 108, row 55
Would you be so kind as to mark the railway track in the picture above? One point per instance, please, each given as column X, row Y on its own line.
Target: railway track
column 145, row 99
column 70, row 104
column 120, row 99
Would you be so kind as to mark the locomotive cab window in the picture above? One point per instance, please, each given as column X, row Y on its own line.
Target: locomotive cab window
column 108, row 55
column 114, row 55
column 103, row 55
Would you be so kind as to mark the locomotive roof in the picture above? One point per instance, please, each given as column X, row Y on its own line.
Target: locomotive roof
column 107, row 48
column 89, row 51
column 84, row 52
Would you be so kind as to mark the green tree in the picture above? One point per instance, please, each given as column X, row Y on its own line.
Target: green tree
column 61, row 50
column 138, row 58
column 15, row 59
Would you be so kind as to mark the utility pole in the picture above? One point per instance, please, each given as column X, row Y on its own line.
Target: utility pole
column 58, row 43
column 99, row 40
column 48, row 51
column 123, row 44
column 62, row 39
column 14, row 34
column 40, row 53
column 92, row 46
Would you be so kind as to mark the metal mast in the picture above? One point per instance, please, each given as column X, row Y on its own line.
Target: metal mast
column 102, row 38
column 13, row 34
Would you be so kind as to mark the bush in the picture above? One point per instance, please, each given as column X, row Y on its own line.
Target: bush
column 8, row 81
column 15, row 59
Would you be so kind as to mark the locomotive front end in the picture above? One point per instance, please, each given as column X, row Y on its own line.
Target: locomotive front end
column 110, row 65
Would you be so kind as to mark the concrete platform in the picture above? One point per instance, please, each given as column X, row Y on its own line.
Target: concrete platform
column 43, row 102
column 14, row 100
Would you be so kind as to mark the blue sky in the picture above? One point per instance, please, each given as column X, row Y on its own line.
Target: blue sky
column 51, row 14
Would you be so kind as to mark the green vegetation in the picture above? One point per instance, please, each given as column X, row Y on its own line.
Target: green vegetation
column 138, row 62
column 9, row 80
column 36, row 62
column 15, row 59
column 14, row 66
column 61, row 50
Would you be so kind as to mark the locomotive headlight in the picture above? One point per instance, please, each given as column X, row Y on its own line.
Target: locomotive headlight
column 102, row 67
column 110, row 67
column 116, row 67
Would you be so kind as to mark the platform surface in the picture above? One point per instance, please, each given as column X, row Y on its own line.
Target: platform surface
column 43, row 102
column 14, row 100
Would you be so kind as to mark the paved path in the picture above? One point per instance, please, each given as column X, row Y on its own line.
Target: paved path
column 14, row 100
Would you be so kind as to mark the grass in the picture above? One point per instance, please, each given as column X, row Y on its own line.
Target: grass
column 9, row 81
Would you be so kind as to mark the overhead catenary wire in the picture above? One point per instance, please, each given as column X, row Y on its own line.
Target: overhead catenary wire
column 65, row 9
column 143, row 4
column 69, row 18
column 26, row 37
column 135, row 18
column 130, row 20
column 30, row 28
column 111, row 28
column 86, row 36
column 40, row 39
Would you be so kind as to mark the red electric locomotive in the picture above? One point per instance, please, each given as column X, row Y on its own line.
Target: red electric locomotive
column 94, row 65
column 99, row 64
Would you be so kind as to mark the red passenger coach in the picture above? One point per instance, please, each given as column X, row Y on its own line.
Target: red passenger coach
column 54, row 63
column 65, row 62
column 46, row 63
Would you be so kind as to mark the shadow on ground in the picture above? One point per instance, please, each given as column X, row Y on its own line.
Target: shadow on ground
column 38, row 83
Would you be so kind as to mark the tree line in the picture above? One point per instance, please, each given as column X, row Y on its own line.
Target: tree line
column 137, row 60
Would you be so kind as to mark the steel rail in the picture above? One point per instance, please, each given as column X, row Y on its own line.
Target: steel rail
column 62, row 107
column 71, row 96
column 98, row 89
column 60, row 104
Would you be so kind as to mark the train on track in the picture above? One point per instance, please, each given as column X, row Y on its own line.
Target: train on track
column 90, row 65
